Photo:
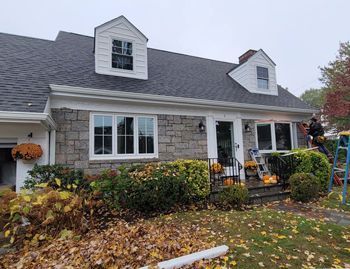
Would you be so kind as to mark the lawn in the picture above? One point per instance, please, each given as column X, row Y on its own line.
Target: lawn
column 272, row 239
column 333, row 200
column 257, row 238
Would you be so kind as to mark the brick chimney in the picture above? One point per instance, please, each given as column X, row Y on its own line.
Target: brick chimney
column 245, row 56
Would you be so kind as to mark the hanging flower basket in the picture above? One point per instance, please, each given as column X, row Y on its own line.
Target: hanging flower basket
column 27, row 152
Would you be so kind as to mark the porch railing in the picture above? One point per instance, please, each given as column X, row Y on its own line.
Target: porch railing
column 223, row 171
column 282, row 166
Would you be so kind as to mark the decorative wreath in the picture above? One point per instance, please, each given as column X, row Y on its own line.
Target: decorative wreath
column 217, row 168
column 27, row 151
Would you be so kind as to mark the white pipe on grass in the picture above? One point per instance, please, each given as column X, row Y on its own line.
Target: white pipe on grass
column 191, row 258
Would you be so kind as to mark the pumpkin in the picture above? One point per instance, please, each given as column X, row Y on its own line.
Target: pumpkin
column 228, row 181
column 266, row 179
column 270, row 179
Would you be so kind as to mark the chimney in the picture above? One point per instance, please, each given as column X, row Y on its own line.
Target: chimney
column 245, row 56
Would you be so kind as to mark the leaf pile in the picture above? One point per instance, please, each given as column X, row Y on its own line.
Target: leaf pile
column 122, row 245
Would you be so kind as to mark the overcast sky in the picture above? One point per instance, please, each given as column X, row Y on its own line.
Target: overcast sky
column 299, row 36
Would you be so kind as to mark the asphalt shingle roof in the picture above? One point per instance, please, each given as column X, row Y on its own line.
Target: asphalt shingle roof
column 28, row 66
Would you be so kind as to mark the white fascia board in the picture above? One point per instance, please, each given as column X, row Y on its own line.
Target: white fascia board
column 28, row 117
column 62, row 90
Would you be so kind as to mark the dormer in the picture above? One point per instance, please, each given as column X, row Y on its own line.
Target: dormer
column 256, row 72
column 120, row 50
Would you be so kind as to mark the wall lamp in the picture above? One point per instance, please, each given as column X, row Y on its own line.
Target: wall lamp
column 247, row 128
column 201, row 126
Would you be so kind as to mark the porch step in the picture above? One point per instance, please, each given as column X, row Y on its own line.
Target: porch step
column 261, row 198
column 265, row 188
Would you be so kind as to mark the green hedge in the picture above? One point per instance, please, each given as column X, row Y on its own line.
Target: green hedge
column 304, row 187
column 154, row 186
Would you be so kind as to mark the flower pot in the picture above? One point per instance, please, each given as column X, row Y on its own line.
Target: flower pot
column 28, row 161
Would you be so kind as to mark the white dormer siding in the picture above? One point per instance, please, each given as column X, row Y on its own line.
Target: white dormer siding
column 122, row 30
column 246, row 74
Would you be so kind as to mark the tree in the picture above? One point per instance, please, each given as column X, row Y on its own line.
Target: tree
column 336, row 79
column 314, row 97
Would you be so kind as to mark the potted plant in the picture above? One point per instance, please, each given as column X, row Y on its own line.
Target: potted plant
column 251, row 168
column 27, row 152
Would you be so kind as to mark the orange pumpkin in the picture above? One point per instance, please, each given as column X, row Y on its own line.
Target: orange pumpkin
column 266, row 179
column 228, row 181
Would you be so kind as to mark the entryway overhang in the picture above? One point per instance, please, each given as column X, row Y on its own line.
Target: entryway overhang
column 44, row 119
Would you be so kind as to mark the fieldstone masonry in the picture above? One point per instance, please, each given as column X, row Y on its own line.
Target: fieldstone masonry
column 178, row 137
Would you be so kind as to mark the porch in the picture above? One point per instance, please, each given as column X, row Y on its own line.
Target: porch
column 225, row 172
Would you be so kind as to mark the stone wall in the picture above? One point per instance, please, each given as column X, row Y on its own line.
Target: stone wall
column 248, row 137
column 178, row 137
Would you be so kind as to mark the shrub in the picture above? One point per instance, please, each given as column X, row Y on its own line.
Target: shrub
column 304, row 187
column 57, row 177
column 235, row 195
column 154, row 186
column 40, row 215
column 316, row 163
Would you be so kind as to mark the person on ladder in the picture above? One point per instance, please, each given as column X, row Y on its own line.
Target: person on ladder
column 316, row 135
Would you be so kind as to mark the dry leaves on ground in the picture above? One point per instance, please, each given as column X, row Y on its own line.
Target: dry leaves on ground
column 122, row 245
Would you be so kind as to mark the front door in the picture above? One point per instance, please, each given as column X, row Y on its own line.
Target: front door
column 225, row 139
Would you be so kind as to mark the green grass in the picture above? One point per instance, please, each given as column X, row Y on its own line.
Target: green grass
column 333, row 200
column 272, row 238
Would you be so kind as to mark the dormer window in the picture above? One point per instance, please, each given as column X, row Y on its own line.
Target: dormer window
column 122, row 55
column 262, row 77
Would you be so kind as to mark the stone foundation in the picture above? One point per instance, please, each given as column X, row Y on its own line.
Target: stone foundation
column 178, row 137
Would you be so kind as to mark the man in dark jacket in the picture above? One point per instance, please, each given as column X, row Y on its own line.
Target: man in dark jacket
column 317, row 132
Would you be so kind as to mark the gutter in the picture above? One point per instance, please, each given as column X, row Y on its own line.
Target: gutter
column 69, row 91
column 28, row 117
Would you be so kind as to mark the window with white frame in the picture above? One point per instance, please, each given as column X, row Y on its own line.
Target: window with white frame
column 262, row 77
column 122, row 55
column 274, row 136
column 123, row 136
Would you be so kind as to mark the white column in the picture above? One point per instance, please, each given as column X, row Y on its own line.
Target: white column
column 238, row 137
column 211, row 137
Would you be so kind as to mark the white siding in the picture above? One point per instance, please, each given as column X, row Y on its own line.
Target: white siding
column 120, row 29
column 246, row 74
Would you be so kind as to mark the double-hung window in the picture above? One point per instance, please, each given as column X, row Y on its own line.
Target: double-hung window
column 122, row 55
column 262, row 77
column 123, row 136
column 274, row 136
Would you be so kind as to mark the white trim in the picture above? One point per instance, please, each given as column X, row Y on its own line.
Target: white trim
column 28, row 117
column 115, row 155
column 62, row 90
column 273, row 136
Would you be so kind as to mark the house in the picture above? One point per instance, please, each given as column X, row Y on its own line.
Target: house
column 96, row 102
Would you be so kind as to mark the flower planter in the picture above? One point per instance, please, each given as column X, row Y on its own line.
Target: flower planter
column 251, row 173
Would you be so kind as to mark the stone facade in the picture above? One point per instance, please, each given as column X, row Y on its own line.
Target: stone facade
column 178, row 137
column 248, row 137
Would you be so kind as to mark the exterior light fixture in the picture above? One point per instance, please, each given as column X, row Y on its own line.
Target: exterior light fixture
column 201, row 126
column 247, row 128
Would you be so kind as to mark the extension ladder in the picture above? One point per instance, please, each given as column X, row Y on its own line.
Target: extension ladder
column 256, row 157
column 343, row 144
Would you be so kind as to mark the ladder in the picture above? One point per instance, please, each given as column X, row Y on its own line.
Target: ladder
column 343, row 144
column 261, row 165
column 304, row 128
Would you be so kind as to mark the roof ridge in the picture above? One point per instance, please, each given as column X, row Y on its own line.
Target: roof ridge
column 24, row 36
column 200, row 57
column 71, row 33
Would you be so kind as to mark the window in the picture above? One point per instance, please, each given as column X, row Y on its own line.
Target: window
column 103, row 135
column 274, row 136
column 283, row 138
column 123, row 136
column 263, row 77
column 122, row 55
column 264, row 136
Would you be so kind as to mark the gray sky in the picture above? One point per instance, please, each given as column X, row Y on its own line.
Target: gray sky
column 299, row 35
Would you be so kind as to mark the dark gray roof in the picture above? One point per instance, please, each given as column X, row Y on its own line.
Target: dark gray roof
column 31, row 65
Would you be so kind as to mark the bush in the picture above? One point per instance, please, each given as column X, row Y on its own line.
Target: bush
column 40, row 215
column 235, row 195
column 316, row 163
column 56, row 177
column 154, row 186
column 304, row 187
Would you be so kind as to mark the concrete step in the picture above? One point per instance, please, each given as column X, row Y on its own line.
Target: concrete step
column 266, row 189
column 261, row 198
